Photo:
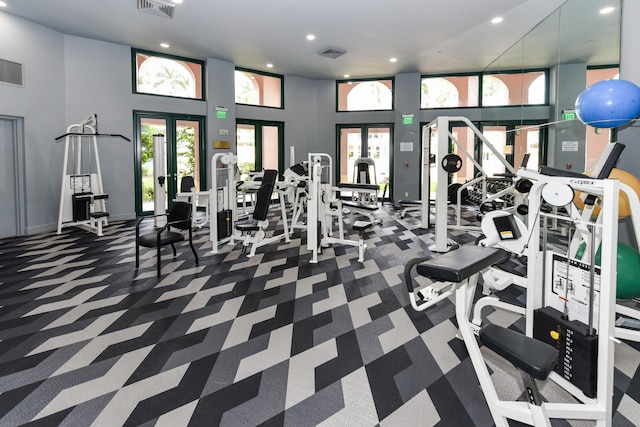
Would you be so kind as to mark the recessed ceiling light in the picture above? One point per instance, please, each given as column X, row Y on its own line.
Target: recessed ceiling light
column 606, row 10
column 177, row 1
column 496, row 20
column 393, row 59
column 311, row 37
column 164, row 45
column 269, row 65
column 3, row 4
column 346, row 76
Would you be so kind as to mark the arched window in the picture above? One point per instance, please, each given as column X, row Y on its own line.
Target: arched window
column 494, row 92
column 164, row 76
column 247, row 91
column 536, row 92
column 369, row 95
column 258, row 88
column 438, row 93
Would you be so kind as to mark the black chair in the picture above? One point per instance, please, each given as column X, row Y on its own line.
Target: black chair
column 180, row 218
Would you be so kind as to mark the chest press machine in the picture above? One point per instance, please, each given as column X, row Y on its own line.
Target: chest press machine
column 535, row 359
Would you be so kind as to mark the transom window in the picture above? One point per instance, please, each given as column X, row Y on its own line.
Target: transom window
column 449, row 91
column 166, row 75
column 507, row 88
column 365, row 95
column 256, row 88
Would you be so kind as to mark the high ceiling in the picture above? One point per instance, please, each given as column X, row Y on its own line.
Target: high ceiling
column 426, row 36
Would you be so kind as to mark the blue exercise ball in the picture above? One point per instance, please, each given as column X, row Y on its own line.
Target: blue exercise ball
column 609, row 103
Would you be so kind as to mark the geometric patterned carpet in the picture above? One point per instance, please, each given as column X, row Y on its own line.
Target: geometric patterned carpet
column 271, row 340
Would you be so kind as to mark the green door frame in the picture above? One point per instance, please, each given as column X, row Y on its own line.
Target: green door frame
column 259, row 124
column 364, row 147
column 170, row 119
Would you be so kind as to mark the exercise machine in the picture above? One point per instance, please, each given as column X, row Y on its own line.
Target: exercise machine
column 82, row 196
column 323, row 207
column 447, row 163
column 253, row 233
column 222, row 200
column 558, row 285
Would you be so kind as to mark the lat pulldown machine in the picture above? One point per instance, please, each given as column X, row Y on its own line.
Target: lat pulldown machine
column 82, row 196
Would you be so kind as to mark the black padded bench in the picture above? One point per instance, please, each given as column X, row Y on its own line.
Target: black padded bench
column 533, row 358
column 356, row 187
column 356, row 205
column 460, row 264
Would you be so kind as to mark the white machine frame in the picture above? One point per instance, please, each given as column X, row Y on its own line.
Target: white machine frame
column 222, row 195
column 319, row 208
column 81, row 179
column 442, row 225
column 598, row 409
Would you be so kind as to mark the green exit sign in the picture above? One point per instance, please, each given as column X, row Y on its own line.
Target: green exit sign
column 568, row 115
column 221, row 114
column 407, row 120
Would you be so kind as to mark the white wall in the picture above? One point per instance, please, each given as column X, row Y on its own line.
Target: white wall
column 41, row 103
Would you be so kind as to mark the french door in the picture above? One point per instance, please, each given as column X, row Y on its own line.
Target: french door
column 513, row 141
column 373, row 141
column 259, row 145
column 185, row 155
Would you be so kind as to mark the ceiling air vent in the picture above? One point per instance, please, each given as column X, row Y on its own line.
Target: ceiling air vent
column 332, row 52
column 10, row 72
column 157, row 7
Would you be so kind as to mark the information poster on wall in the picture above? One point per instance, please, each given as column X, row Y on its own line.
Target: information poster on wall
column 569, row 145
column 406, row 146
column 572, row 285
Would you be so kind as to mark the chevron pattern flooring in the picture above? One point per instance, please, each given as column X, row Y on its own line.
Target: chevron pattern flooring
column 271, row 340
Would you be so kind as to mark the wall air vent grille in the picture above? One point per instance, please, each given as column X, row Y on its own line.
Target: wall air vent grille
column 156, row 7
column 10, row 72
column 332, row 52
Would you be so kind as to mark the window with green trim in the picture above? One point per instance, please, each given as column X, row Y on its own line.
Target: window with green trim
column 365, row 95
column 486, row 90
column 257, row 88
column 167, row 75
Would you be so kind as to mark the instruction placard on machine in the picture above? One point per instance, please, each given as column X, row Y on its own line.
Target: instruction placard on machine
column 572, row 284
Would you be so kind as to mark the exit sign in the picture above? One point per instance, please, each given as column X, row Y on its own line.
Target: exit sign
column 407, row 119
column 221, row 114
column 568, row 115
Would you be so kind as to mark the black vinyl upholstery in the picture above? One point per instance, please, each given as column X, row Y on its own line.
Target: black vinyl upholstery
column 179, row 218
column 460, row 264
column 532, row 356
column 263, row 201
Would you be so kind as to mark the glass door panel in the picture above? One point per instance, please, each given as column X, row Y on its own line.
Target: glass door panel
column 246, row 149
column 497, row 136
column 466, row 138
column 270, row 145
column 148, row 128
column 350, row 150
column 526, row 141
column 187, row 151
column 378, row 144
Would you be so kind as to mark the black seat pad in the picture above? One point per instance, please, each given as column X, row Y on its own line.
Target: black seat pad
column 355, row 205
column 362, row 225
column 352, row 186
column 410, row 202
column 460, row 264
column 166, row 237
column 534, row 357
